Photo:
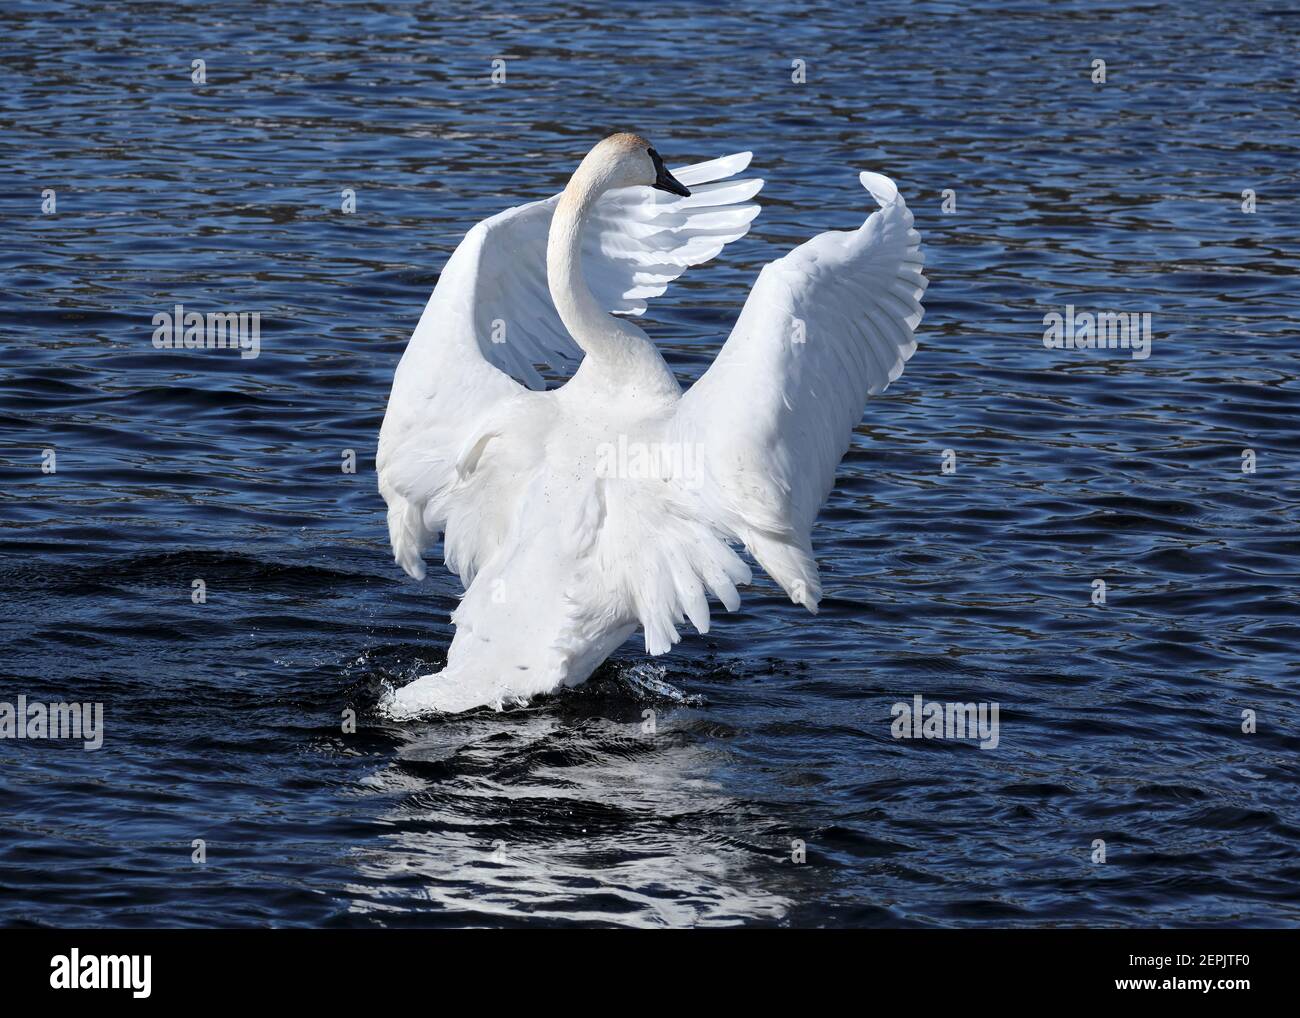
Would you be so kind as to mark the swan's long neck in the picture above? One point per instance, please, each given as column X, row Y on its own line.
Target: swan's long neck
column 588, row 323
column 617, row 352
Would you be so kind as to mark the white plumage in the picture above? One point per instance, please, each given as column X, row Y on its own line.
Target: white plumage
column 574, row 515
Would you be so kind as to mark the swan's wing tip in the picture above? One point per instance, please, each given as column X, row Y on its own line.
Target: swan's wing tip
column 881, row 187
column 713, row 169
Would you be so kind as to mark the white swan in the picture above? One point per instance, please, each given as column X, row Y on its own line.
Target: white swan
column 574, row 515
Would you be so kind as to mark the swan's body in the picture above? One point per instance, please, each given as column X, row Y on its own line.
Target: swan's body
column 575, row 515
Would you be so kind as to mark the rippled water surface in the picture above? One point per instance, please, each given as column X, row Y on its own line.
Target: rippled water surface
column 1120, row 722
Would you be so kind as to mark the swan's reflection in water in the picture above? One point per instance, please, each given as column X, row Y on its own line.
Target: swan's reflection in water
column 526, row 816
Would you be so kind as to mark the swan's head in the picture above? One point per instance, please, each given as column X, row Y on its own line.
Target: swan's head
column 627, row 160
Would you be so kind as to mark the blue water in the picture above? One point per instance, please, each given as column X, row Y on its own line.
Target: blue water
column 1119, row 722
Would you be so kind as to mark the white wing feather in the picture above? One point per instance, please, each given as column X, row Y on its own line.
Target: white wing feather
column 491, row 317
column 824, row 327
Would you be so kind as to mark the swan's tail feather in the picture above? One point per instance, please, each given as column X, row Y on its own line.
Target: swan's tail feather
column 449, row 691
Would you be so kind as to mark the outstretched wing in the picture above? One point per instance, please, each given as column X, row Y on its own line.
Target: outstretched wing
column 636, row 241
column 824, row 327
column 491, row 321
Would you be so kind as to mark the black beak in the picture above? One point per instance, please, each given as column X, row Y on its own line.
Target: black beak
column 665, row 181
